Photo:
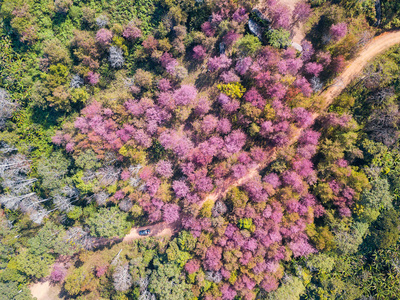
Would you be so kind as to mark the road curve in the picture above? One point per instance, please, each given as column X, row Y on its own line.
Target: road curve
column 373, row 48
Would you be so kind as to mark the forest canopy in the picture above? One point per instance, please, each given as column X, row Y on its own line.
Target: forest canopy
column 162, row 149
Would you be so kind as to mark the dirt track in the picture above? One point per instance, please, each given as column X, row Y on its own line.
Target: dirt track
column 159, row 229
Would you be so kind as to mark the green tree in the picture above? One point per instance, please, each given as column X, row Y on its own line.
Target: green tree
column 385, row 230
column 52, row 170
column 109, row 222
column 36, row 265
column 278, row 38
column 291, row 289
column 87, row 160
column 248, row 45
column 12, row 290
column 79, row 281
column 376, row 199
column 50, row 239
column 167, row 283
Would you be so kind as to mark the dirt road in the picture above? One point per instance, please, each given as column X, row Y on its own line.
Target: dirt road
column 159, row 229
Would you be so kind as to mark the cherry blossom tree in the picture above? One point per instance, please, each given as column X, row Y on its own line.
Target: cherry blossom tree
column 314, row 68
column 240, row 15
column 308, row 50
column 338, row 31
column 192, row 266
column 213, row 258
column 164, row 168
column 243, row 65
column 219, row 62
column 301, row 12
column 305, row 87
column 229, row 76
column 209, row 124
column 255, row 98
column 58, row 274
column 180, row 188
column 302, row 117
column 104, row 36
column 131, row 32
column 185, row 95
column 171, row 213
column 235, row 141
column 199, row 52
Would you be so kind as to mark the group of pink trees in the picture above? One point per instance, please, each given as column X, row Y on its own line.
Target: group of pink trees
column 265, row 224
column 205, row 141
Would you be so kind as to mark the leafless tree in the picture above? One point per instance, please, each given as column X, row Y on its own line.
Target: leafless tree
column 76, row 81
column 326, row 38
column 107, row 175
column 18, row 185
column 316, row 84
column 213, row 276
column 146, row 295
column 135, row 179
column 80, row 238
column 102, row 21
column 110, row 158
column 134, row 169
column 64, row 198
column 11, row 201
column 382, row 125
column 7, row 106
column 379, row 98
column 5, row 148
column 101, row 198
column 116, row 57
column 365, row 37
column 38, row 215
column 14, row 165
column 143, row 282
column 125, row 205
column 88, row 176
column 373, row 75
column 218, row 209
column 122, row 278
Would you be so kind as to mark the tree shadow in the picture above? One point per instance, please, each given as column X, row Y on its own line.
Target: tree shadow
column 204, row 80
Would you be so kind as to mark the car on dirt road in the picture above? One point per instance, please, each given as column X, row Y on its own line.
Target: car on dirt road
column 144, row 232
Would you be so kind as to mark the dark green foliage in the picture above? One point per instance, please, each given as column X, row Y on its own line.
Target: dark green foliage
column 166, row 281
column 385, row 230
column 279, row 38
column 248, row 45
column 11, row 290
column 50, row 239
